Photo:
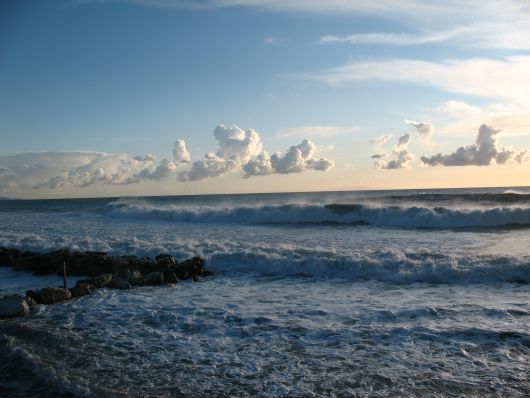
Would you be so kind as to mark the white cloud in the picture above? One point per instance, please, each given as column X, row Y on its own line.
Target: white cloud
column 484, row 152
column 403, row 141
column 401, row 39
column 461, row 117
column 52, row 170
column 402, row 158
column 274, row 41
column 297, row 159
column 506, row 78
column 240, row 150
column 486, row 23
column 315, row 131
column 180, row 153
column 379, row 141
column 424, row 129
column 236, row 147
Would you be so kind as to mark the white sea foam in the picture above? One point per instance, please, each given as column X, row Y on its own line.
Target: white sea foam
column 391, row 216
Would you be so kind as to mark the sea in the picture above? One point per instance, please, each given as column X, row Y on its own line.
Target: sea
column 404, row 293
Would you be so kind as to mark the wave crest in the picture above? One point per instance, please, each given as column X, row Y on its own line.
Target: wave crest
column 383, row 216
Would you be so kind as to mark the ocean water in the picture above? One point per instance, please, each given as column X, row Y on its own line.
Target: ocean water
column 369, row 294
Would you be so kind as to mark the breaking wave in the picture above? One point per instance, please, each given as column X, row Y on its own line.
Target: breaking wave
column 385, row 216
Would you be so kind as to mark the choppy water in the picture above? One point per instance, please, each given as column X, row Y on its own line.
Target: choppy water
column 397, row 293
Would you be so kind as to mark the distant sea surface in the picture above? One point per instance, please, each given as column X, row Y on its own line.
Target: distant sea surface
column 387, row 293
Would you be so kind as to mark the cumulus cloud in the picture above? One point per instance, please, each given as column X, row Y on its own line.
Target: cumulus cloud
column 52, row 170
column 297, row 159
column 236, row 147
column 180, row 153
column 240, row 150
column 401, row 158
column 484, row 152
column 403, row 141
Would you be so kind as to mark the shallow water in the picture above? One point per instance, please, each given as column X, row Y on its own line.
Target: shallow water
column 295, row 308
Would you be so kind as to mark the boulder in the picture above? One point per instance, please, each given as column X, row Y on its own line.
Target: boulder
column 99, row 281
column 8, row 256
column 170, row 277
column 136, row 278
column 154, row 278
column 187, row 269
column 166, row 260
column 42, row 263
column 31, row 301
column 120, row 283
column 119, row 266
column 82, row 289
column 13, row 305
column 89, row 264
column 51, row 295
column 145, row 265
column 34, row 296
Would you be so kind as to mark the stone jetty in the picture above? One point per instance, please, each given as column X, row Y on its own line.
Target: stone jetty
column 101, row 270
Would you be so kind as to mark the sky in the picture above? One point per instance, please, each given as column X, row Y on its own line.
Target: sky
column 178, row 97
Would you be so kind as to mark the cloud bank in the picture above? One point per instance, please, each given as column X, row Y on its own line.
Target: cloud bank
column 484, row 152
column 52, row 170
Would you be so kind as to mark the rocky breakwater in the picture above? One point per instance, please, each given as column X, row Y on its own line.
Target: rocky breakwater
column 102, row 270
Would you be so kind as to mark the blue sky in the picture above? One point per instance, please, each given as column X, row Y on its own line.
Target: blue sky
column 123, row 79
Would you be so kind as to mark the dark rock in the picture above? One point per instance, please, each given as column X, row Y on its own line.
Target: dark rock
column 119, row 266
column 154, row 278
column 82, row 289
column 41, row 263
column 8, row 256
column 35, row 296
column 145, row 265
column 31, row 301
column 165, row 261
column 51, row 295
column 195, row 278
column 89, row 264
column 4, row 251
column 100, row 281
column 94, row 253
column 207, row 273
column 165, row 255
column 136, row 278
column 13, row 305
column 120, row 283
column 190, row 267
column 170, row 277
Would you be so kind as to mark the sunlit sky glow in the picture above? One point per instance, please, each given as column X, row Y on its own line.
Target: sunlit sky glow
column 138, row 97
